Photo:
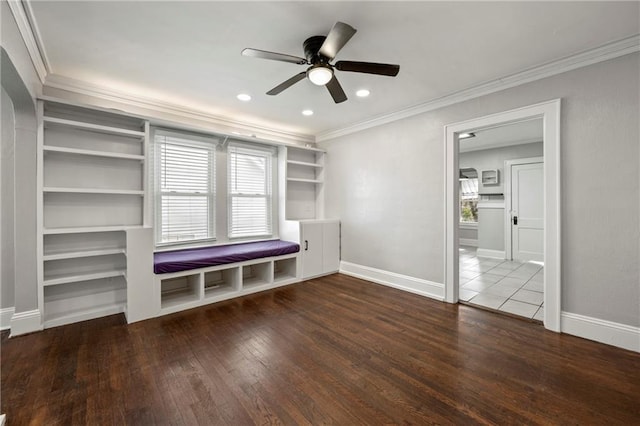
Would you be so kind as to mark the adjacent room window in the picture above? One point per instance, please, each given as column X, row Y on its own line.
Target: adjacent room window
column 184, row 187
column 250, row 190
column 468, row 196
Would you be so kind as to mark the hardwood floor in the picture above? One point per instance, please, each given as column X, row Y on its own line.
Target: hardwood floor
column 334, row 350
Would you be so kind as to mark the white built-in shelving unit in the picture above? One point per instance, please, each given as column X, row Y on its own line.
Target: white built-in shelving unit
column 302, row 201
column 303, row 184
column 92, row 184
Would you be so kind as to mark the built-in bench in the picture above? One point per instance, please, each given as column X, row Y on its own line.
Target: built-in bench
column 202, row 257
column 189, row 278
column 171, row 281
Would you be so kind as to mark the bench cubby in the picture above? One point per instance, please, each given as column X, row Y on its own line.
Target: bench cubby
column 221, row 282
column 257, row 274
column 180, row 290
column 284, row 269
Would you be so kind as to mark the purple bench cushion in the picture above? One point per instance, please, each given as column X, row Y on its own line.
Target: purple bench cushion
column 201, row 257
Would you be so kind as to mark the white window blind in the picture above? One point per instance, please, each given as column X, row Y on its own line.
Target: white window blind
column 250, row 189
column 469, row 189
column 184, row 188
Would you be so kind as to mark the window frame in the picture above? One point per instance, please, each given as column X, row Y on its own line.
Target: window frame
column 461, row 200
column 190, row 140
column 270, row 153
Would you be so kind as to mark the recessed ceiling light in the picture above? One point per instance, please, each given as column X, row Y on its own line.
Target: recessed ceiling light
column 362, row 93
column 307, row 112
column 244, row 97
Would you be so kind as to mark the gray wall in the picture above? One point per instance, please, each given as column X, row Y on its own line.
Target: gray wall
column 494, row 159
column 21, row 83
column 386, row 184
column 468, row 234
column 491, row 228
column 7, row 258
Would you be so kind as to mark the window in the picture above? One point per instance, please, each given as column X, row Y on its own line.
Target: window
column 184, row 187
column 250, row 188
column 468, row 196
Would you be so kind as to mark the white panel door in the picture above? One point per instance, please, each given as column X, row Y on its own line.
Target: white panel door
column 331, row 247
column 312, row 240
column 527, row 208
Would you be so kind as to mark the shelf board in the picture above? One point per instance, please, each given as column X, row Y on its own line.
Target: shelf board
column 304, row 163
column 178, row 297
column 77, row 151
column 253, row 282
column 306, row 148
column 92, row 191
column 83, row 314
column 50, row 122
column 79, row 254
column 67, row 279
column 304, row 180
column 86, row 229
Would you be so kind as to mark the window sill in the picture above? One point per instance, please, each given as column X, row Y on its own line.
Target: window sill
column 468, row 225
column 207, row 243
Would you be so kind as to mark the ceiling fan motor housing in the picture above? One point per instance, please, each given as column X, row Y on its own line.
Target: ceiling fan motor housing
column 311, row 47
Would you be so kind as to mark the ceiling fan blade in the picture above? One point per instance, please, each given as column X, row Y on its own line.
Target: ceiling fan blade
column 336, row 91
column 339, row 35
column 263, row 54
column 368, row 67
column 282, row 86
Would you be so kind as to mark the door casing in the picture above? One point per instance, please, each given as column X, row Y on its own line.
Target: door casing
column 550, row 113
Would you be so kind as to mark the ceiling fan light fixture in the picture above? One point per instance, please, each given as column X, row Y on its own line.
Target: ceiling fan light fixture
column 320, row 74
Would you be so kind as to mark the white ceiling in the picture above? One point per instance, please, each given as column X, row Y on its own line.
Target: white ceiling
column 188, row 53
column 511, row 134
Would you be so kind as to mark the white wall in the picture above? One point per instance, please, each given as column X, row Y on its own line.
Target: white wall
column 7, row 258
column 386, row 184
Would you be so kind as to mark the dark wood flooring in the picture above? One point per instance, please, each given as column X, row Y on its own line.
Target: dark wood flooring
column 335, row 350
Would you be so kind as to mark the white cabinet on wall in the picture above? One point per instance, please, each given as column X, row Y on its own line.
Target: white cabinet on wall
column 320, row 247
column 92, row 187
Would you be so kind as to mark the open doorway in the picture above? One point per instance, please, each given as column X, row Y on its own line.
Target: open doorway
column 501, row 226
column 549, row 113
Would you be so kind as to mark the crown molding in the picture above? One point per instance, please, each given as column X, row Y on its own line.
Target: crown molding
column 599, row 54
column 21, row 11
column 158, row 106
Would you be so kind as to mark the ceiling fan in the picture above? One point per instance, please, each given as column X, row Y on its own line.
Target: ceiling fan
column 319, row 51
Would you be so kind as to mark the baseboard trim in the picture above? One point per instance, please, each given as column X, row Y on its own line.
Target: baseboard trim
column 26, row 322
column 414, row 285
column 468, row 242
column 608, row 332
column 5, row 318
column 498, row 254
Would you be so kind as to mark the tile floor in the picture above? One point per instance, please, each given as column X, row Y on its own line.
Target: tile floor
column 504, row 285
